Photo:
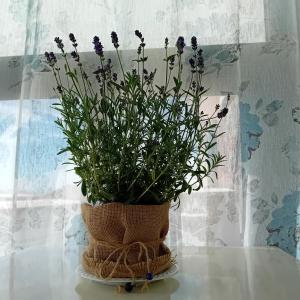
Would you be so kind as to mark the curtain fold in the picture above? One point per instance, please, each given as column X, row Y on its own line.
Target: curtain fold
column 251, row 50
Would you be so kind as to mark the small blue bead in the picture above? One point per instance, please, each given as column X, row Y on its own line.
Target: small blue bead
column 149, row 276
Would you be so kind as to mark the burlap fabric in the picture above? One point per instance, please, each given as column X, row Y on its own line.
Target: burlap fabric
column 126, row 240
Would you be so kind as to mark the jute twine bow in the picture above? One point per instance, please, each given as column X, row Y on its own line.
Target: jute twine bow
column 123, row 250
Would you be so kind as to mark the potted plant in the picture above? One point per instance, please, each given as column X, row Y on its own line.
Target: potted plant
column 136, row 145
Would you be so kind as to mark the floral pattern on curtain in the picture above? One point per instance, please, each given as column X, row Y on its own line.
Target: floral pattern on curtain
column 251, row 49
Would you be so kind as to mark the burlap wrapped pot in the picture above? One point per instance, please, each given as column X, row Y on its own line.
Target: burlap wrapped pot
column 126, row 240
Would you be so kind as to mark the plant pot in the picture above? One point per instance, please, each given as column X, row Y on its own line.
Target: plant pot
column 126, row 240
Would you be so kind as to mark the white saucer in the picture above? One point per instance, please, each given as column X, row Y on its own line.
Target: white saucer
column 120, row 281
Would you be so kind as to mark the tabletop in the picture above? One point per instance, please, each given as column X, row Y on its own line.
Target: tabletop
column 48, row 273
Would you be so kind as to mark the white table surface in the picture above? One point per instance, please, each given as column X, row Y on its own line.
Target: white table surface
column 205, row 273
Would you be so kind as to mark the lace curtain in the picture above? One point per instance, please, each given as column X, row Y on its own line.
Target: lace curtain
column 251, row 50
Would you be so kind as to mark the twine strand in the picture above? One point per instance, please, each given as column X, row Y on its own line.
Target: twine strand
column 124, row 250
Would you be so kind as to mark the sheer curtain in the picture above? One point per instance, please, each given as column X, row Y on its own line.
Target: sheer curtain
column 251, row 50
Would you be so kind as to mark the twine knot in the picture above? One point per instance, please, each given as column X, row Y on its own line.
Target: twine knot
column 123, row 250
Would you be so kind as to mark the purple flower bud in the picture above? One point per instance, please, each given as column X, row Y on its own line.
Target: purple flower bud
column 96, row 40
column 200, row 53
column 114, row 39
column 222, row 113
column 180, row 44
column 194, row 43
column 139, row 50
column 75, row 55
column 99, row 49
column 72, row 38
column 138, row 34
column 98, row 46
column 192, row 62
column 52, row 56
column 166, row 42
column 59, row 43
column 106, row 68
column 172, row 60
column 200, row 62
column 51, row 59
column 98, row 78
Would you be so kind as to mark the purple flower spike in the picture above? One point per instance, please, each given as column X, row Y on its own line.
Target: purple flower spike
column 98, row 46
column 114, row 39
column 51, row 58
column 75, row 55
column 139, row 50
column 166, row 42
column 59, row 43
column 96, row 40
column 192, row 62
column 138, row 34
column 222, row 113
column 200, row 62
column 180, row 44
column 194, row 43
column 99, row 49
column 73, row 40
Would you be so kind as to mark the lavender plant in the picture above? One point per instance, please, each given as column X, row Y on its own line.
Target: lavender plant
column 132, row 140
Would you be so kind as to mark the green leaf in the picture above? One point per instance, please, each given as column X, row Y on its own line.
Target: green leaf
column 83, row 188
column 71, row 74
column 175, row 80
column 208, row 163
column 63, row 151
column 211, row 146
